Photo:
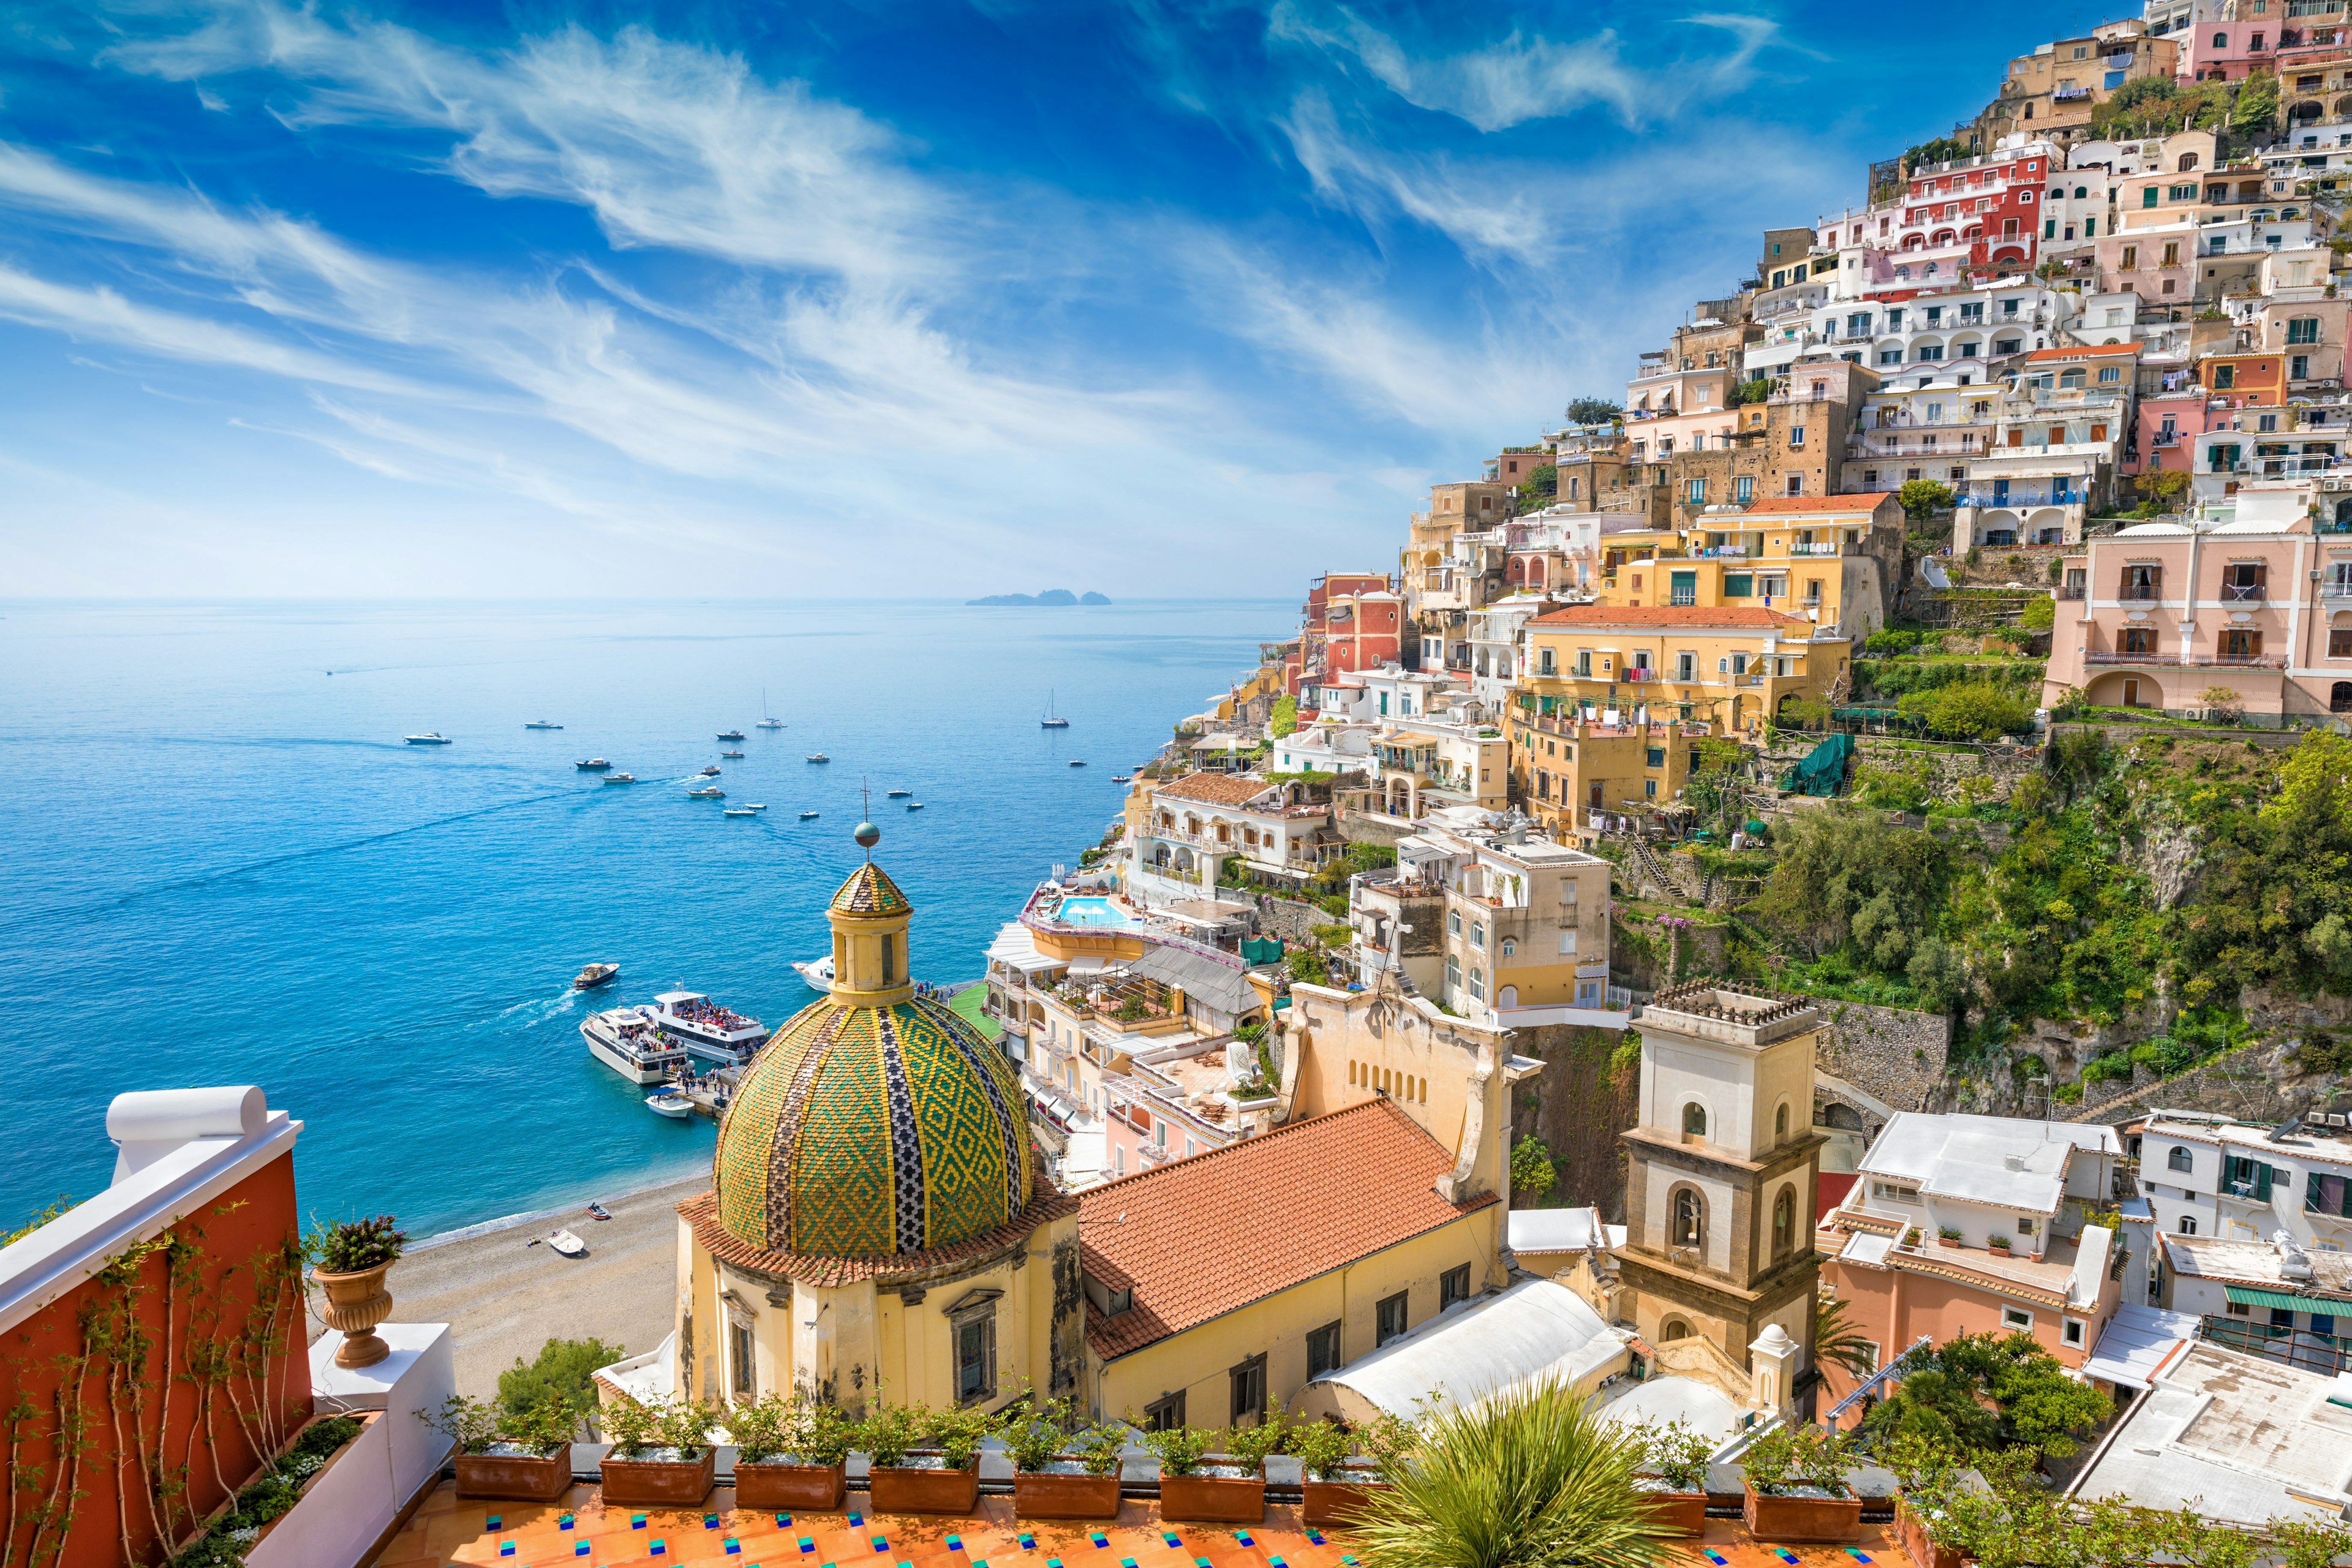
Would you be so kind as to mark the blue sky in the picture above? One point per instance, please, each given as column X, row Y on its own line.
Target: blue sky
column 839, row 298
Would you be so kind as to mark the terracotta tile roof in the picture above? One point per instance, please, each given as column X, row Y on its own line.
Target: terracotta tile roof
column 1197, row 1238
column 701, row 1212
column 1690, row 617
column 1216, row 789
column 1802, row 506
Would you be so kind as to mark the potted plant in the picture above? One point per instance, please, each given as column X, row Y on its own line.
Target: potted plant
column 790, row 1453
column 661, row 1455
column 526, row 1456
column 348, row 1258
column 1674, row 1459
column 942, row 1479
column 1911, row 1236
column 1335, row 1487
column 1192, row 1489
column 1795, row 1488
column 1059, row 1475
column 1998, row 1242
column 1948, row 1235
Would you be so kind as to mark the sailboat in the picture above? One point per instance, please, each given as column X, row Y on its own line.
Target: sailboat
column 766, row 721
column 1051, row 722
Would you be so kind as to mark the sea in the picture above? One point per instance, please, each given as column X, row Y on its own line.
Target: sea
column 224, row 865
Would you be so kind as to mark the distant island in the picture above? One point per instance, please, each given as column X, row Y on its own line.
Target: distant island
column 1050, row 596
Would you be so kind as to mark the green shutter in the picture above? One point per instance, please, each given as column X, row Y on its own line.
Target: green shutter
column 1740, row 587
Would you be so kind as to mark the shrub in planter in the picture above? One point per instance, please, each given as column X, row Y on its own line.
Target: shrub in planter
column 1190, row 1487
column 661, row 1455
column 1673, row 1464
column 1796, row 1486
column 268, row 1497
column 348, row 1260
column 525, row 1455
column 1336, row 1487
column 790, row 1453
column 1948, row 1235
column 949, row 1483
column 1059, row 1474
column 1998, row 1242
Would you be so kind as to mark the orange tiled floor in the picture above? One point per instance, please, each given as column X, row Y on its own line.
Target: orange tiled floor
column 578, row 1533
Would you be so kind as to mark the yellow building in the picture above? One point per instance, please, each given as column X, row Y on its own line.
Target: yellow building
column 1644, row 664
column 1834, row 560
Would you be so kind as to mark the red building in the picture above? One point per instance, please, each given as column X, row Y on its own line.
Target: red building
column 1353, row 620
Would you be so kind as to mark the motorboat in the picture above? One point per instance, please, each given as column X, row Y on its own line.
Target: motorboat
column 571, row 1246
column 1077, row 763
column 820, row 757
column 433, row 739
column 542, row 724
column 596, row 975
column 707, row 792
column 711, row 772
column 817, row 972
column 1122, row 778
column 755, row 806
column 767, row 721
column 705, row 1029
column 896, row 793
column 730, row 754
column 620, row 778
column 1052, row 721
column 598, row 1211
column 808, row 817
column 624, row 1039
column 914, row 806
column 738, row 811
column 731, row 734
column 672, row 1104
column 593, row 765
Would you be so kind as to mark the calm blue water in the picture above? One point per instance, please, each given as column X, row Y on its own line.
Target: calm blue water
column 224, row 867
column 1094, row 912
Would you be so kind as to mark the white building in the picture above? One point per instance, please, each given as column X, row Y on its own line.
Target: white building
column 2210, row 1178
column 1975, row 1178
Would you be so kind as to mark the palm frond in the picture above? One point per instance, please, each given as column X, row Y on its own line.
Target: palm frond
column 1837, row 1343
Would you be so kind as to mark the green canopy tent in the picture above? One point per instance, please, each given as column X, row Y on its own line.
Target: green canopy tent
column 1822, row 770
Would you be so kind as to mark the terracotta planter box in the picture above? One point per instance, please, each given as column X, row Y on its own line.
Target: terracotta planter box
column 1336, row 1502
column 1053, row 1496
column 1921, row 1546
column 1213, row 1499
column 1829, row 1519
column 661, row 1483
column 1947, row 1241
column 894, row 1489
column 1677, row 1513
column 770, row 1486
column 522, row 1477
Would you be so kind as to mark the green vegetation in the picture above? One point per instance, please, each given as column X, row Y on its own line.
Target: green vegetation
column 1526, row 1479
column 1285, row 718
column 1976, row 710
column 1987, row 1392
column 1941, row 149
column 349, row 1245
column 2158, row 105
column 1923, row 498
column 270, row 1495
column 1541, row 487
column 1755, row 391
column 1592, row 411
column 1307, row 965
column 1532, row 1170
column 562, row 1372
column 1837, row 1343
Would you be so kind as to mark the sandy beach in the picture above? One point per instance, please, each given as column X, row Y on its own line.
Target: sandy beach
column 504, row 1299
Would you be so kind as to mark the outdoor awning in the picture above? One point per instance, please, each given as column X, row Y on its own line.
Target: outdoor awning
column 2325, row 1306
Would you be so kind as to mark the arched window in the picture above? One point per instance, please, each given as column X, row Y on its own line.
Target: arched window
column 1452, row 971
column 1510, row 946
column 2188, row 1225
column 1784, row 1222
column 1477, row 985
column 2180, row 1160
column 1694, row 1119
column 1781, row 1122
column 2080, row 192
column 1673, row 1328
column 2221, row 41
column 2339, row 696
column 1351, row 1074
column 1690, row 1219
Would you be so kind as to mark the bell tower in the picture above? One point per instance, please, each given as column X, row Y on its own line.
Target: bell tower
column 869, row 917
column 1720, row 1168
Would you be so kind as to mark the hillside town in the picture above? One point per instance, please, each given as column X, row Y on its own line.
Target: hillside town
column 1800, row 915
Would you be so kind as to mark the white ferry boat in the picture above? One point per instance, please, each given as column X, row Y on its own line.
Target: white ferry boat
column 627, row 1040
column 816, row 972
column 705, row 1029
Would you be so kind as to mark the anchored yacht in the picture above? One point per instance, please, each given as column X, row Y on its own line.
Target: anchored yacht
column 705, row 1029
column 627, row 1040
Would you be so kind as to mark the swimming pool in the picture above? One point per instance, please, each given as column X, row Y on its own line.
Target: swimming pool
column 1093, row 912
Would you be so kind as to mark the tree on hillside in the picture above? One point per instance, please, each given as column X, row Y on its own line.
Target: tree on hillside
column 563, row 1372
column 1541, row 486
column 1592, row 411
column 1284, row 721
column 2160, row 490
column 1845, row 875
column 1922, row 499
column 2278, row 905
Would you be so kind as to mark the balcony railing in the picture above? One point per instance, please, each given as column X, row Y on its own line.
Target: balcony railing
column 2139, row 593
column 2227, row 661
column 2073, row 591
column 2130, row 658
column 2242, row 592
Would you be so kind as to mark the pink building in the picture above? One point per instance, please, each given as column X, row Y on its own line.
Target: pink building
column 2168, row 425
column 2253, row 598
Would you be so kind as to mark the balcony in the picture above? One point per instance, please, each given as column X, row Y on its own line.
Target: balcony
column 2226, row 662
column 2140, row 593
column 2074, row 590
column 2139, row 658
column 2241, row 593
column 1829, row 547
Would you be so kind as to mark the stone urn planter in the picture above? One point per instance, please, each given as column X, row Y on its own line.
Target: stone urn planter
column 518, row 1478
column 1208, row 1499
column 1920, row 1544
column 1339, row 1501
column 1065, row 1494
column 356, row 1303
column 773, row 1486
column 661, row 1483
column 1678, row 1514
column 908, row 1489
column 1810, row 1514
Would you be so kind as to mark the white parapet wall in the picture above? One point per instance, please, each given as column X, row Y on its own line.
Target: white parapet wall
column 356, row 1501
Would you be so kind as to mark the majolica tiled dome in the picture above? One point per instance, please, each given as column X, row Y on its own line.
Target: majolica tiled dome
column 864, row 1130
